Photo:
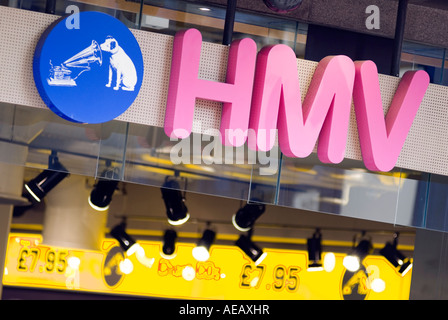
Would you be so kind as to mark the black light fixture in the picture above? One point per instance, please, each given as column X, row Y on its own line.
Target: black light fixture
column 352, row 262
column 315, row 252
column 169, row 244
column 127, row 243
column 101, row 194
column 44, row 182
column 255, row 253
column 176, row 210
column 246, row 216
column 402, row 263
column 201, row 251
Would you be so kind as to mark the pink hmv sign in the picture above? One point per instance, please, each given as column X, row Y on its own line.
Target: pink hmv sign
column 261, row 99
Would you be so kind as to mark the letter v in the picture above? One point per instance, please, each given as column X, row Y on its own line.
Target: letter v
column 381, row 139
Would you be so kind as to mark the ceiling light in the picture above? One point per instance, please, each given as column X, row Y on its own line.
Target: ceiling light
column 315, row 252
column 101, row 195
column 44, row 182
column 201, row 251
column 127, row 243
column 352, row 262
column 250, row 249
column 378, row 285
column 329, row 261
column 188, row 273
column 176, row 210
column 402, row 263
column 169, row 244
column 205, row 9
column 126, row 266
column 246, row 216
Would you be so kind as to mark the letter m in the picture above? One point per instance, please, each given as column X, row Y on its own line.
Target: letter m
column 185, row 87
column 277, row 103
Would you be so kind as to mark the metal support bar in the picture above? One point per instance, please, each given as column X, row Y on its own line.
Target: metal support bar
column 229, row 22
column 398, row 40
column 50, row 6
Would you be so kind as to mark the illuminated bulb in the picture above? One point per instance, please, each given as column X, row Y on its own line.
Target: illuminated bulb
column 73, row 262
column 329, row 261
column 201, row 253
column 95, row 207
column 180, row 221
column 378, row 285
column 204, row 9
column 188, row 273
column 406, row 269
column 254, row 282
column 259, row 260
column 126, row 266
column 314, row 269
column 351, row 263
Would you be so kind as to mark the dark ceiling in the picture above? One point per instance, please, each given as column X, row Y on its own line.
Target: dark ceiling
column 438, row 4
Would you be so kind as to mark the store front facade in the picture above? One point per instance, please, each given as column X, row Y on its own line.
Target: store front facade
column 164, row 155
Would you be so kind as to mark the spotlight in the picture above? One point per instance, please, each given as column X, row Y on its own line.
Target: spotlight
column 329, row 261
column 201, row 251
column 127, row 243
column 395, row 257
column 176, row 210
column 251, row 249
column 315, row 252
column 352, row 262
column 169, row 244
column 126, row 266
column 245, row 217
column 101, row 195
column 44, row 182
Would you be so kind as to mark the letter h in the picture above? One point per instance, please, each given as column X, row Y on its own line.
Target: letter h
column 185, row 87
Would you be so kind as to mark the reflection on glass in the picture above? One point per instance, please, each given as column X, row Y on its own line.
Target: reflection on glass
column 349, row 189
column 429, row 58
column 201, row 163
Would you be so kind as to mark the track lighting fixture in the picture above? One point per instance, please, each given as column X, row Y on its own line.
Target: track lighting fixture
column 352, row 262
column 127, row 243
column 176, row 210
column 246, row 216
column 402, row 263
column 201, row 251
column 169, row 244
column 101, row 195
column 43, row 183
column 250, row 249
column 315, row 252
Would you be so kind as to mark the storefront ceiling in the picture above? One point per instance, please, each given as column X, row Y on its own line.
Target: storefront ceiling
column 438, row 4
column 426, row 19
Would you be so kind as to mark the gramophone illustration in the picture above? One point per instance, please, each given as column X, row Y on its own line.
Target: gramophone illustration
column 66, row 74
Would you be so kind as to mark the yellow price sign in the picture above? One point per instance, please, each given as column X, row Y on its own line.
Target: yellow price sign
column 228, row 274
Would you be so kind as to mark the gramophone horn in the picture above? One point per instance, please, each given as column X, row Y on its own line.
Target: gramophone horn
column 89, row 55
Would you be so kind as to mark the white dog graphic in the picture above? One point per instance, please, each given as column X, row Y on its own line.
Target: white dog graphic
column 126, row 75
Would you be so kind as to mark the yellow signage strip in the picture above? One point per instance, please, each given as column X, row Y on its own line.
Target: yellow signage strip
column 228, row 274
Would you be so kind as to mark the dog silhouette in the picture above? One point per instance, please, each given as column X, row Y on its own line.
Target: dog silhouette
column 121, row 65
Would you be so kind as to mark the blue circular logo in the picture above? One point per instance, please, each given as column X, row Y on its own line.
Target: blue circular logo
column 90, row 71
